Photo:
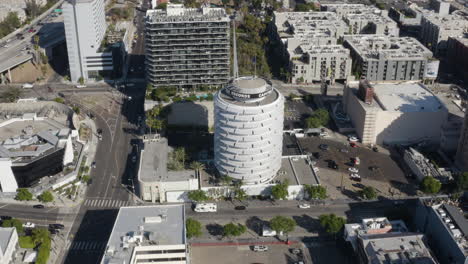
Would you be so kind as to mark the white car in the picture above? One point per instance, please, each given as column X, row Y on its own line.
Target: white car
column 80, row 86
column 304, row 206
column 353, row 170
column 324, row 134
column 260, row 248
column 353, row 139
column 355, row 176
column 315, row 169
column 29, row 225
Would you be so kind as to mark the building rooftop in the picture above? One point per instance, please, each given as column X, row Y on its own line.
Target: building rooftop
column 455, row 223
column 458, row 20
column 5, row 237
column 406, row 97
column 144, row 226
column 249, row 91
column 178, row 13
column 377, row 47
column 427, row 168
column 396, row 248
column 153, row 160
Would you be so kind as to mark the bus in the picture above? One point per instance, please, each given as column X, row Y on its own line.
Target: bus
column 205, row 208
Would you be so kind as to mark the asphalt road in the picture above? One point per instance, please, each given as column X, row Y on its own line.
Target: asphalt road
column 137, row 57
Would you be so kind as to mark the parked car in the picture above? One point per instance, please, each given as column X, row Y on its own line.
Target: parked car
column 5, row 217
column 323, row 146
column 344, row 150
column 353, row 139
column 134, row 158
column 31, row 30
column 38, row 206
column 240, row 207
column 93, row 165
column 260, row 248
column 317, row 155
column 304, row 206
column 29, row 225
column 56, row 226
column 355, row 177
column 54, row 231
column 355, row 170
column 353, row 145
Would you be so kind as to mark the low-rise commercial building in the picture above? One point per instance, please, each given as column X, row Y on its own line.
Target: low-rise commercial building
column 422, row 167
column 437, row 28
column 187, row 46
column 394, row 113
column 8, row 244
column 383, row 58
column 312, row 63
column 148, row 234
column 378, row 240
column 155, row 182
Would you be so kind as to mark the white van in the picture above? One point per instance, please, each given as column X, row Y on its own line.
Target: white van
column 27, row 86
column 268, row 232
column 205, row 208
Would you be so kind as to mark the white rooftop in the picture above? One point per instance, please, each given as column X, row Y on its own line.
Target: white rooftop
column 406, row 97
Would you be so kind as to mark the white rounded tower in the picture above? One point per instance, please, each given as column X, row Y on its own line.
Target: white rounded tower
column 248, row 134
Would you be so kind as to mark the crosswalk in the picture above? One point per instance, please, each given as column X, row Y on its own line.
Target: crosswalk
column 87, row 246
column 106, row 203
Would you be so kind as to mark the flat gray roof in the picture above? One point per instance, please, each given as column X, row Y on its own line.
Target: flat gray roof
column 5, row 237
column 131, row 220
column 153, row 161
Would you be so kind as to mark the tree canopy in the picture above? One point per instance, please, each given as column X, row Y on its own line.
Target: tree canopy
column 282, row 224
column 9, row 24
column 331, row 223
column 430, row 185
column 193, row 227
column 316, row 192
column 368, row 193
column 46, row 197
column 12, row 93
column 23, row 194
column 462, row 181
column 233, row 230
column 319, row 118
column 198, row 196
column 280, row 190
column 14, row 223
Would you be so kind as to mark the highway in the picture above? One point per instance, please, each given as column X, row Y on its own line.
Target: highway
column 15, row 51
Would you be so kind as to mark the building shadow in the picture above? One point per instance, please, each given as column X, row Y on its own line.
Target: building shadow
column 215, row 230
column 308, row 223
column 256, row 224
column 95, row 228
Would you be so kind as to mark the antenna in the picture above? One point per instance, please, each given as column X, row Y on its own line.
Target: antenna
column 235, row 70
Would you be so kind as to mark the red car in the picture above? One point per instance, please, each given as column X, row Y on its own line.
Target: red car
column 353, row 145
column 31, row 30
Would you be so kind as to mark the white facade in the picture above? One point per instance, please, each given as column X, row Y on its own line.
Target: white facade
column 396, row 115
column 85, row 28
column 248, row 130
column 7, row 178
column 8, row 244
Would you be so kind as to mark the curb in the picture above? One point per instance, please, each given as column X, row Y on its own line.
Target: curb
column 290, row 242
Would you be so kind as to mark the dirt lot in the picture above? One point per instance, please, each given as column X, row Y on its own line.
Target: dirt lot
column 388, row 179
column 277, row 254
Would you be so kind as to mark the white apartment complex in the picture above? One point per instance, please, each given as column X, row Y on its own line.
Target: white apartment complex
column 386, row 58
column 436, row 29
column 85, row 28
column 248, row 137
column 312, row 63
column 187, row 46
column 8, row 244
column 148, row 234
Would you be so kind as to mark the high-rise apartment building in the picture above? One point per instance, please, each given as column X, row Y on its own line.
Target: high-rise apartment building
column 85, row 28
column 462, row 150
column 384, row 58
column 186, row 47
column 248, row 130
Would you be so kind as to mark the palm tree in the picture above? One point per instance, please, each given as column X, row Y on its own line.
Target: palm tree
column 197, row 166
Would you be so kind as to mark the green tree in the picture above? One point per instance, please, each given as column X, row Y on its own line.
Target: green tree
column 282, row 224
column 23, row 194
column 198, row 196
column 369, row 193
column 81, row 80
column 14, row 223
column 76, row 109
column 462, row 181
column 193, row 227
column 86, row 179
column 197, row 166
column 312, row 122
column 43, row 253
column 331, row 223
column 430, row 185
column 46, row 197
column 323, row 115
column 32, row 8
column 40, row 235
column 240, row 194
column 302, row 8
column 316, row 192
column 12, row 94
column 280, row 190
column 59, row 100
column 233, row 230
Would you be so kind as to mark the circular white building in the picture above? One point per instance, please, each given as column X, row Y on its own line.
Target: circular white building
column 248, row 135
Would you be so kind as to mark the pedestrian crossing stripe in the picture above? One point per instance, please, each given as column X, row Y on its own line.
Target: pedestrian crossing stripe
column 87, row 245
column 106, row 203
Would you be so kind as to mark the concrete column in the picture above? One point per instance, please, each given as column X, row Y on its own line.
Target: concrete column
column 9, row 76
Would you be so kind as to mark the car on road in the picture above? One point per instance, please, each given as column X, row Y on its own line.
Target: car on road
column 304, row 206
column 352, row 169
column 260, row 248
column 323, row 146
column 31, row 30
column 332, row 164
column 344, row 150
column 240, row 207
column 56, row 226
column 80, row 86
column 29, row 225
column 54, row 231
column 38, row 206
column 353, row 139
column 324, row 134
column 93, row 165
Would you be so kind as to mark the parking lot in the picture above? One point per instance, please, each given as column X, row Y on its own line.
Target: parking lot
column 235, row 254
column 377, row 169
column 295, row 112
